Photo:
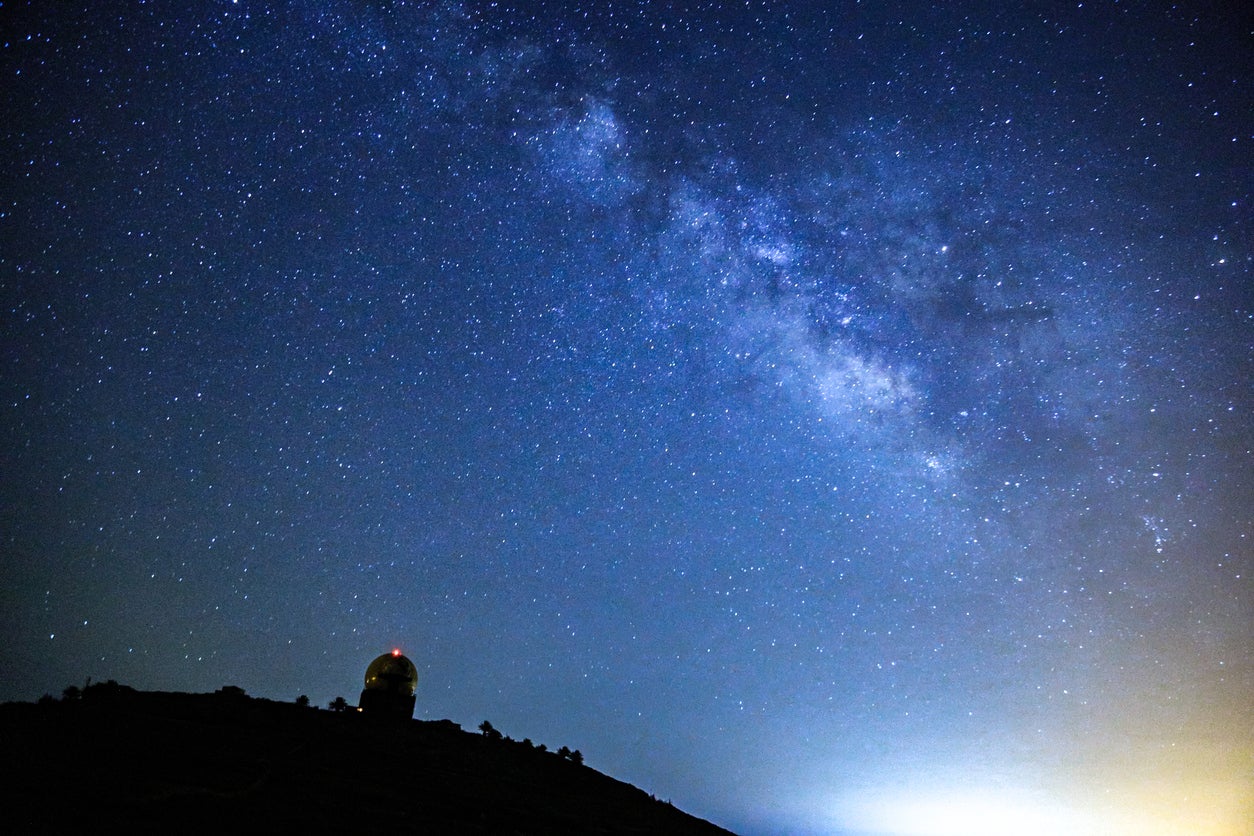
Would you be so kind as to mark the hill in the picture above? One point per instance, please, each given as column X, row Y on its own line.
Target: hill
column 227, row 762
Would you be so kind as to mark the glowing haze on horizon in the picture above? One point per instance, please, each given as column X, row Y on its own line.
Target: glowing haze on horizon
column 832, row 418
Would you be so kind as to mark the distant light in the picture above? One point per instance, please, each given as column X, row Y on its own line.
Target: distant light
column 396, row 651
column 1203, row 807
column 970, row 814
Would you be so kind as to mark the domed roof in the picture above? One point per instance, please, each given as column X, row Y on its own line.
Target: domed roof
column 392, row 672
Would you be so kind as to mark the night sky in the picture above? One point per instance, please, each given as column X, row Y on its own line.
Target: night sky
column 830, row 417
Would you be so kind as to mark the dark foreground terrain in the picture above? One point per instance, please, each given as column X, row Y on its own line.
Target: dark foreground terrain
column 225, row 762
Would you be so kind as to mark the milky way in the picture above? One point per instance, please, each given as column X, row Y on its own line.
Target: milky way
column 832, row 421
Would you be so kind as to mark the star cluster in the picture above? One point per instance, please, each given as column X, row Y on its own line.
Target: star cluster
column 833, row 419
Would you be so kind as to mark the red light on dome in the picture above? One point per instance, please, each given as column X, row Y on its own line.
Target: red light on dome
column 396, row 651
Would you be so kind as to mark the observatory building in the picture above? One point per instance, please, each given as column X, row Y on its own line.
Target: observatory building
column 389, row 692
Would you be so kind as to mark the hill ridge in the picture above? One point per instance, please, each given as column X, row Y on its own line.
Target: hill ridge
column 211, row 762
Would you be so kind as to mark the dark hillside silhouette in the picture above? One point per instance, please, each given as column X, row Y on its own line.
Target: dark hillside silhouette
column 226, row 762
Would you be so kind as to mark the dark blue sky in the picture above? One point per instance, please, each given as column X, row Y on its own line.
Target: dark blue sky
column 830, row 419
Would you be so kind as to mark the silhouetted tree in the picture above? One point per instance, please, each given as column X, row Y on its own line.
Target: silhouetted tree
column 338, row 704
column 302, row 701
column 71, row 693
column 488, row 731
column 108, row 688
column 563, row 752
column 576, row 757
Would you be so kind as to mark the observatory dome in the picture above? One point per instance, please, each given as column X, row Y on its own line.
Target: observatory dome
column 392, row 672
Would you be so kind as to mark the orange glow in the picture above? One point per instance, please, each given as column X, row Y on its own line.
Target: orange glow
column 396, row 651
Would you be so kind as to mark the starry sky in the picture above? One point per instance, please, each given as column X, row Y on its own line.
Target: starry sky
column 831, row 417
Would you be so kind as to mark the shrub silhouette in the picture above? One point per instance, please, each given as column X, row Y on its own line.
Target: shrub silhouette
column 302, row 701
column 338, row 704
column 489, row 731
